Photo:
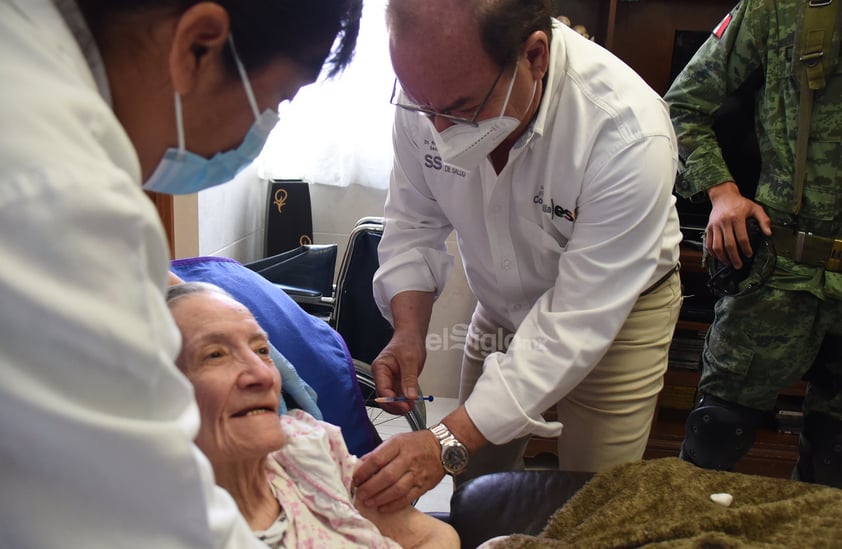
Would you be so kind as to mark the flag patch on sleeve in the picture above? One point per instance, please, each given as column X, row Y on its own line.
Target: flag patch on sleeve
column 720, row 28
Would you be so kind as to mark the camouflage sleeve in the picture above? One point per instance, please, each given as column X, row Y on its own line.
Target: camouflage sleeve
column 727, row 59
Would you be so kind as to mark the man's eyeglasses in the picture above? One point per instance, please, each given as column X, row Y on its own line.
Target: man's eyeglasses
column 431, row 113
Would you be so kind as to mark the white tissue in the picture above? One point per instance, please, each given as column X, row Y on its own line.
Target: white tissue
column 723, row 498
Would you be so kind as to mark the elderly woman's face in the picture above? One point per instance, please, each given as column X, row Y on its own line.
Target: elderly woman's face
column 225, row 354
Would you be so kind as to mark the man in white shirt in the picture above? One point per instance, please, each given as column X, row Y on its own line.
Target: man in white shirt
column 97, row 423
column 554, row 163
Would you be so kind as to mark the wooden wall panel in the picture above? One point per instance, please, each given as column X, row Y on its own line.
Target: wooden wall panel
column 164, row 205
column 644, row 32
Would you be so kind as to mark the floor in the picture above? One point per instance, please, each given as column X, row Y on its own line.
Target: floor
column 437, row 499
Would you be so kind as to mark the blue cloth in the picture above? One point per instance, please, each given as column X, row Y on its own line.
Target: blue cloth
column 319, row 354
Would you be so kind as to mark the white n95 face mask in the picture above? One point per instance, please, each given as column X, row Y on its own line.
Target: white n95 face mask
column 183, row 172
column 464, row 147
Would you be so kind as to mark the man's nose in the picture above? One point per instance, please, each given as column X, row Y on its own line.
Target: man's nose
column 441, row 123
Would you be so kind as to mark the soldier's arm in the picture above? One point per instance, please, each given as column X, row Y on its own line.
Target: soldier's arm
column 729, row 58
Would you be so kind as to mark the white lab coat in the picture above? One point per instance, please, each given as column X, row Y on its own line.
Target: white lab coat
column 559, row 245
column 96, row 422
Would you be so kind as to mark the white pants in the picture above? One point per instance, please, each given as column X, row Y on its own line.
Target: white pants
column 607, row 417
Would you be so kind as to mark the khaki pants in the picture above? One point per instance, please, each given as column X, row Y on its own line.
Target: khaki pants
column 608, row 416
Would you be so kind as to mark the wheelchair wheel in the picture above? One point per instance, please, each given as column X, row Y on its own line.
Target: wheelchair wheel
column 385, row 423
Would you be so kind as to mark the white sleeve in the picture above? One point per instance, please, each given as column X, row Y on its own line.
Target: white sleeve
column 413, row 254
column 97, row 422
column 623, row 216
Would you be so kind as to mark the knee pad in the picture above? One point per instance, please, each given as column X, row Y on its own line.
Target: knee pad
column 820, row 450
column 718, row 433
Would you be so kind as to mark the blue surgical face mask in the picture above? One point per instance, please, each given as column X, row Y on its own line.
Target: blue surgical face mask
column 183, row 172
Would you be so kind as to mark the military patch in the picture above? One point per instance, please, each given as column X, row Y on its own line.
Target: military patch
column 720, row 28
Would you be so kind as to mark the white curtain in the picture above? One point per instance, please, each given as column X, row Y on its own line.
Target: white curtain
column 339, row 131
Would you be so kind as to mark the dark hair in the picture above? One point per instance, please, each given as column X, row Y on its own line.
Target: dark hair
column 504, row 25
column 262, row 29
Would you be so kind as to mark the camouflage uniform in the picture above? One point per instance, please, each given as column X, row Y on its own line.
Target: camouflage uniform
column 767, row 337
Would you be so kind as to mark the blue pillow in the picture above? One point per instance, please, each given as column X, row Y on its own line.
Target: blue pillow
column 294, row 389
column 318, row 352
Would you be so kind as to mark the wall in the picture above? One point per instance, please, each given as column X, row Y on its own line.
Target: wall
column 645, row 32
column 228, row 221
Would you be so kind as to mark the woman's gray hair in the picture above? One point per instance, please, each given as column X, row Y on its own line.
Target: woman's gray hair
column 184, row 289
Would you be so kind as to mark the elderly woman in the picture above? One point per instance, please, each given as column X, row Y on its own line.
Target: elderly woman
column 291, row 478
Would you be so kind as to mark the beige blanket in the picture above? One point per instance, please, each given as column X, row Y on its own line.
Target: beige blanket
column 666, row 503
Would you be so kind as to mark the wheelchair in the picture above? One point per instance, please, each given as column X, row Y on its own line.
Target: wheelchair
column 347, row 305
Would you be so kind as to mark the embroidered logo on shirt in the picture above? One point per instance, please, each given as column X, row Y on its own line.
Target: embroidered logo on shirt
column 555, row 210
column 435, row 162
column 720, row 28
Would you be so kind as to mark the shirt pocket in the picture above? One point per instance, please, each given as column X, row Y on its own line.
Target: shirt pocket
column 541, row 250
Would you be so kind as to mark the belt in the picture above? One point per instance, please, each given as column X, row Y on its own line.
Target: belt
column 661, row 280
column 808, row 248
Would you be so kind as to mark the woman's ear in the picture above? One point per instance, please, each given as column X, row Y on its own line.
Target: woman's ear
column 537, row 50
column 199, row 41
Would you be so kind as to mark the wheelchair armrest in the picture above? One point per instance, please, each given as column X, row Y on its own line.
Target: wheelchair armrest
column 309, row 266
column 298, row 292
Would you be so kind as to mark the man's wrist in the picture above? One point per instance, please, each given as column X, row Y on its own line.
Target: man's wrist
column 454, row 454
column 726, row 187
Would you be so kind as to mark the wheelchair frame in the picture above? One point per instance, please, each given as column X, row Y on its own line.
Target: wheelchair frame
column 349, row 309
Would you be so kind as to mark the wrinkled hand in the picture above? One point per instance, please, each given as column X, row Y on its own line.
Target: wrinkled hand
column 396, row 370
column 726, row 232
column 399, row 471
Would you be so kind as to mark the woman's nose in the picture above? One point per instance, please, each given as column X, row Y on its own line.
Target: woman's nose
column 258, row 371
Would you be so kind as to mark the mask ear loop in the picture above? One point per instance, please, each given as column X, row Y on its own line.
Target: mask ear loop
column 532, row 97
column 508, row 93
column 179, row 115
column 179, row 125
column 244, row 77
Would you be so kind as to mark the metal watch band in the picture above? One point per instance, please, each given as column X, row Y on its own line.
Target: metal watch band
column 454, row 455
column 442, row 432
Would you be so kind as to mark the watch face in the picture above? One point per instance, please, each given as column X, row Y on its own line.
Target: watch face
column 454, row 458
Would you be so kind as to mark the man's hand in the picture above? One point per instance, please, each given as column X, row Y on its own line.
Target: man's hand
column 396, row 370
column 399, row 471
column 398, row 365
column 726, row 232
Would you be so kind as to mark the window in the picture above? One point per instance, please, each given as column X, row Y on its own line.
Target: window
column 339, row 132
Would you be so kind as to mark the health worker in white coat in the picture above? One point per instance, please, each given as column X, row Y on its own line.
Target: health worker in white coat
column 100, row 98
column 554, row 163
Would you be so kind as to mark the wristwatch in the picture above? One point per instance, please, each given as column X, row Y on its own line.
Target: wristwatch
column 454, row 455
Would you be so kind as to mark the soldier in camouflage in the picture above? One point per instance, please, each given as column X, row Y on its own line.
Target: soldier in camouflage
column 784, row 326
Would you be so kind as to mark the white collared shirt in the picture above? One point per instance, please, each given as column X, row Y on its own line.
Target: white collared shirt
column 96, row 421
column 559, row 245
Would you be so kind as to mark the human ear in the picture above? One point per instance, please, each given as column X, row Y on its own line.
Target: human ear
column 199, row 40
column 537, row 51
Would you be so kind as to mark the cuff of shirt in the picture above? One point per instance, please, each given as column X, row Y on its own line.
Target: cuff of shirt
column 694, row 182
column 498, row 414
column 414, row 269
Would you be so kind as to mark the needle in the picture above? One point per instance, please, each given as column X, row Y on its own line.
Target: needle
column 403, row 399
